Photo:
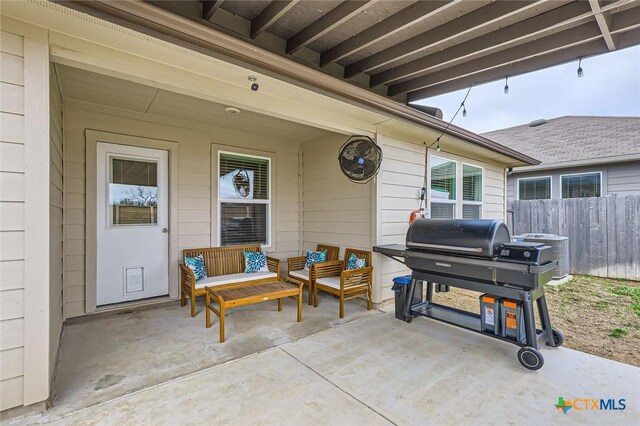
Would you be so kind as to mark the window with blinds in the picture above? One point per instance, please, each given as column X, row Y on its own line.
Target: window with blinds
column 456, row 189
column 471, row 183
column 244, row 199
column 443, row 188
column 471, row 192
column 534, row 188
column 443, row 179
column 582, row 185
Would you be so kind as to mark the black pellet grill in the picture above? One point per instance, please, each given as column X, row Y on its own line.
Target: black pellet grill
column 477, row 255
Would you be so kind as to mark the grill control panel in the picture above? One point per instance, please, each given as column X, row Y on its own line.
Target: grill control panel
column 524, row 252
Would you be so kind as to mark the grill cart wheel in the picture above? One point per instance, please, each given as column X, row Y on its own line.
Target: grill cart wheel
column 409, row 319
column 530, row 358
column 558, row 338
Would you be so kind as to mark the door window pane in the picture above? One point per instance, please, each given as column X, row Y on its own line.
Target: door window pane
column 579, row 186
column 133, row 192
column 534, row 189
column 243, row 223
column 443, row 179
column 442, row 210
column 471, row 183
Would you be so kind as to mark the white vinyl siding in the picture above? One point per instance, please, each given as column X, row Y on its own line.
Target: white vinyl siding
column 56, row 254
column 399, row 182
column 194, row 183
column 12, row 220
column 335, row 210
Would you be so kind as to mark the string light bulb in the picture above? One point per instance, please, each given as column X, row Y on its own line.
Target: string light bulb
column 438, row 147
column 580, row 71
column 464, row 110
column 506, row 85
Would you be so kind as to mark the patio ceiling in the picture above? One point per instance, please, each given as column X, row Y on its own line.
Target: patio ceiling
column 411, row 50
column 99, row 89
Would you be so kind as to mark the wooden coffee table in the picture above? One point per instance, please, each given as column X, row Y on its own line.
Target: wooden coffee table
column 248, row 295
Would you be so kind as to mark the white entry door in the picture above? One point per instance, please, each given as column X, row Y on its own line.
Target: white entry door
column 132, row 223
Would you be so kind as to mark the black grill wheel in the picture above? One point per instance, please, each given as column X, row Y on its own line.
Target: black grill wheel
column 530, row 358
column 558, row 338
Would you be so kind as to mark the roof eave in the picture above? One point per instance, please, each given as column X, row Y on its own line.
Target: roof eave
column 578, row 163
column 151, row 18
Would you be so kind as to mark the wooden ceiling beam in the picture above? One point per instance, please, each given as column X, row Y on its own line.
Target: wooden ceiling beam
column 274, row 11
column 335, row 17
column 604, row 23
column 592, row 48
column 556, row 20
column 475, row 16
column 536, row 63
column 562, row 40
column 209, row 8
column 626, row 20
column 397, row 22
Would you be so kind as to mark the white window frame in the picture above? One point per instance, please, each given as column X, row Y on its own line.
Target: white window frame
column 579, row 174
column 472, row 203
column 459, row 201
column 533, row 178
column 268, row 202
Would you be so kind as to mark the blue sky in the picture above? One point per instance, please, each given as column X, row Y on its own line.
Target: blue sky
column 610, row 87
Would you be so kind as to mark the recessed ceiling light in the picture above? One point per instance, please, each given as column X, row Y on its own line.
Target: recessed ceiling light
column 232, row 110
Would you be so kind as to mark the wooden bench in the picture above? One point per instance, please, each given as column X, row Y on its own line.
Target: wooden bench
column 248, row 295
column 225, row 269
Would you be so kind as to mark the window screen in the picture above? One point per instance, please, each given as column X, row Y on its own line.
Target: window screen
column 243, row 194
column 443, row 179
column 471, row 183
column 534, row 189
column 579, row 186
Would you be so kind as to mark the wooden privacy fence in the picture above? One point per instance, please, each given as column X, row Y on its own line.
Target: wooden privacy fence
column 604, row 233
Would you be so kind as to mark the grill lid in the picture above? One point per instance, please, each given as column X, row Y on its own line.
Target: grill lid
column 474, row 237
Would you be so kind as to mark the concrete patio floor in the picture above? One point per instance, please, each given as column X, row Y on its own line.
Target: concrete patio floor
column 368, row 370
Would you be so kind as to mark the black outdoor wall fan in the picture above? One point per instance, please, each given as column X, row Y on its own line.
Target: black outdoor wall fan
column 360, row 159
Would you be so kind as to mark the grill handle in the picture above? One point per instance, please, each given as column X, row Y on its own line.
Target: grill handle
column 446, row 248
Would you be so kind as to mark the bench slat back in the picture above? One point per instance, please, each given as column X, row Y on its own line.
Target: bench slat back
column 222, row 260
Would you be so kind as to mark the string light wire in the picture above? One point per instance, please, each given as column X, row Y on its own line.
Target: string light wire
column 437, row 141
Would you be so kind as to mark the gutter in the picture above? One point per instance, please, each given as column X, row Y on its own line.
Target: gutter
column 578, row 163
column 145, row 17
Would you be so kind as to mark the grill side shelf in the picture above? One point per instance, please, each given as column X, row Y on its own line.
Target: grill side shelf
column 393, row 251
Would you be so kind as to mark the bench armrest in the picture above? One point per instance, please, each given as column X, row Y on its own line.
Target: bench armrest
column 274, row 265
column 295, row 263
column 186, row 275
column 332, row 268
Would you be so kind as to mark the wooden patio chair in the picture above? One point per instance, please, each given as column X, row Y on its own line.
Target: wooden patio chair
column 334, row 278
column 296, row 272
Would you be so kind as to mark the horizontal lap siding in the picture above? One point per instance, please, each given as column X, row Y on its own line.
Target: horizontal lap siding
column 402, row 177
column 56, row 254
column 12, row 224
column 624, row 178
column 194, row 183
column 335, row 210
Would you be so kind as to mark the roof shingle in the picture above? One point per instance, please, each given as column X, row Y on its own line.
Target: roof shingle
column 573, row 138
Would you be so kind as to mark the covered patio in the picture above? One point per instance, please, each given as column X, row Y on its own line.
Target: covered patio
column 365, row 369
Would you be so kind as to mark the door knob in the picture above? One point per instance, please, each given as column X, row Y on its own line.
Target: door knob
column 164, row 230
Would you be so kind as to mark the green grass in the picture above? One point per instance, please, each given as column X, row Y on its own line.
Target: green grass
column 618, row 333
column 633, row 292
